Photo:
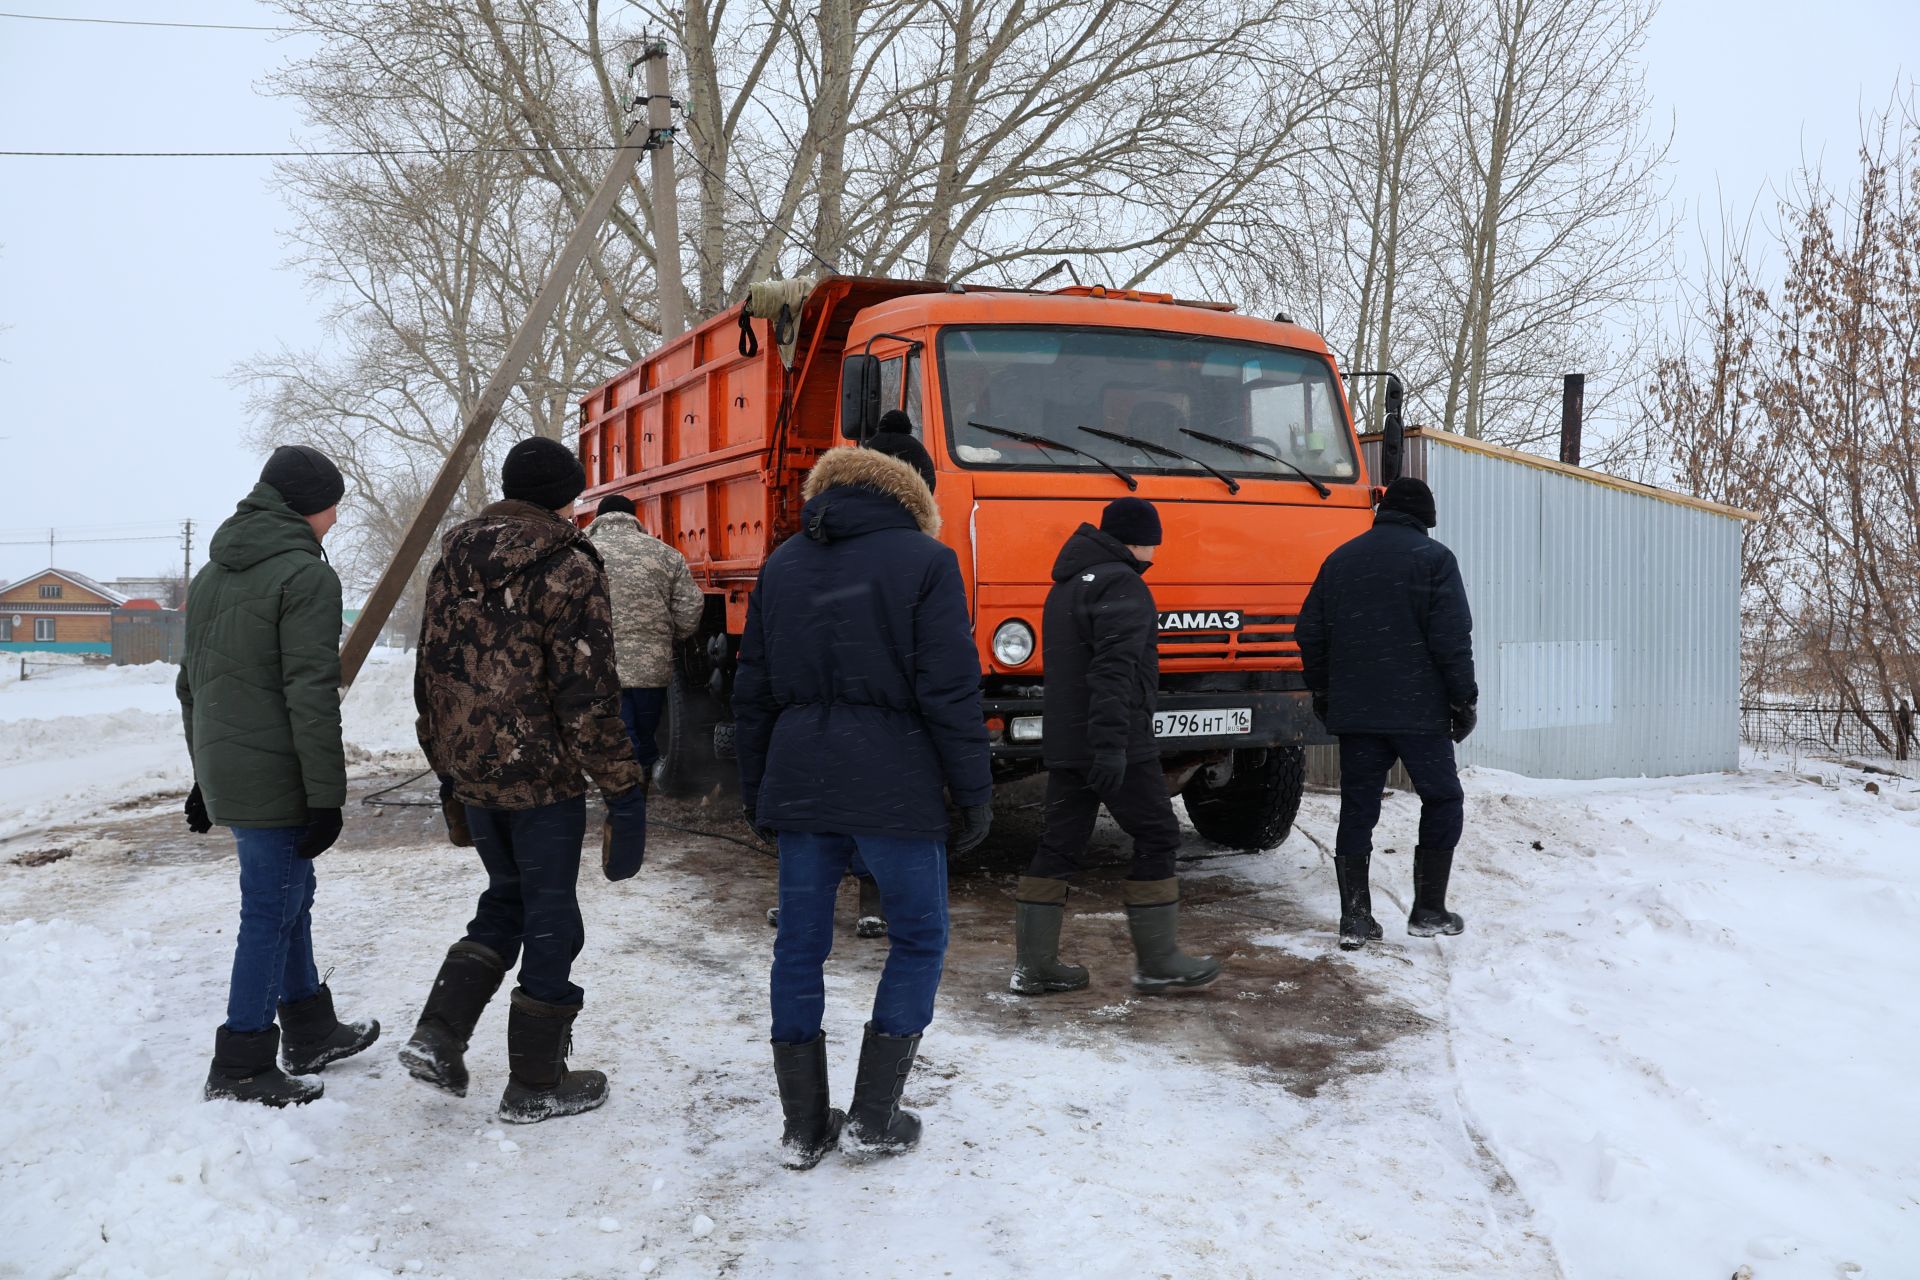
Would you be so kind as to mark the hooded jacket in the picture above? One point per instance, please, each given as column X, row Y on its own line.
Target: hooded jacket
column 1386, row 634
column 259, row 684
column 655, row 599
column 515, row 681
column 857, row 698
column 1100, row 638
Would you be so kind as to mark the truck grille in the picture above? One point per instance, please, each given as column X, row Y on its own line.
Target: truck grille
column 1262, row 637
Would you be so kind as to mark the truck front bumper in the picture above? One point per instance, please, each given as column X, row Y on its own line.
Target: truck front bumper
column 1280, row 719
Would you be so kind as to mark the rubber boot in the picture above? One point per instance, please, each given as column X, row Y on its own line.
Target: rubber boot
column 1357, row 925
column 245, row 1069
column 813, row 1124
column 538, row 1037
column 311, row 1036
column 875, row 1123
column 1153, row 917
column 1040, row 905
column 1431, row 868
column 436, row 1054
column 873, row 918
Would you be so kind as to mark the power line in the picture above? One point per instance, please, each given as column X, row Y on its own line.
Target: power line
column 368, row 151
column 753, row 204
column 134, row 22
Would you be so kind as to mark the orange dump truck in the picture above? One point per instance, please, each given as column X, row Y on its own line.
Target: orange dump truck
column 1038, row 408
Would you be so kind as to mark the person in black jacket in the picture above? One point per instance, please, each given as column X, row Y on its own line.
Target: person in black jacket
column 1100, row 636
column 857, row 711
column 1387, row 642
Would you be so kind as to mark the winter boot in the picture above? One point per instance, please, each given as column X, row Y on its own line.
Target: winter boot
column 245, row 1070
column 873, row 918
column 1153, row 914
column 875, row 1123
column 1430, row 916
column 1040, row 904
column 311, row 1036
column 1357, row 925
column 813, row 1125
column 538, row 1037
column 436, row 1054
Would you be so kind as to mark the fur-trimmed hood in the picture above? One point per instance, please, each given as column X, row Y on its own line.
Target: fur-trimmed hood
column 855, row 468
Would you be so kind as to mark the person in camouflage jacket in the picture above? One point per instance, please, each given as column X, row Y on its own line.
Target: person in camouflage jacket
column 655, row 603
column 518, row 699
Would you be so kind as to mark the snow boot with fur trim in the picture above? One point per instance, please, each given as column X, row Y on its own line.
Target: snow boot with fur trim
column 1357, row 925
column 311, row 1035
column 1430, row 917
column 246, row 1069
column 875, row 1123
column 1153, row 918
column 1039, row 908
column 436, row 1054
column 812, row 1122
column 538, row 1037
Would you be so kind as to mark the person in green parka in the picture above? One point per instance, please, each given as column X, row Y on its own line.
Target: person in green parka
column 259, row 692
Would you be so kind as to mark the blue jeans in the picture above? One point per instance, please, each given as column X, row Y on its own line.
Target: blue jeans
column 912, row 875
column 532, row 902
column 1366, row 758
column 640, row 711
column 273, row 950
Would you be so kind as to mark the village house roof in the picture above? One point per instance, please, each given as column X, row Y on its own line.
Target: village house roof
column 79, row 580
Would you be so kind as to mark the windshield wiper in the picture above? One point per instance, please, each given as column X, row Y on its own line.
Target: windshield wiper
column 1027, row 437
column 1239, row 446
column 1148, row 446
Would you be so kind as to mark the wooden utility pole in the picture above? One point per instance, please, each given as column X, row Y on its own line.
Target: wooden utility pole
column 387, row 592
column 666, row 207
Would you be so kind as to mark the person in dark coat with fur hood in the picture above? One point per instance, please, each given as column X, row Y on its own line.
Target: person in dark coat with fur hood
column 857, row 713
column 1386, row 641
column 519, row 707
column 1100, row 640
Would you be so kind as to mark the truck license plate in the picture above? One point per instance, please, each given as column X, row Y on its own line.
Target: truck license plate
column 1202, row 724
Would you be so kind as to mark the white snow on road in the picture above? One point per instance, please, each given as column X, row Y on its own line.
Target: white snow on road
column 1676, row 1039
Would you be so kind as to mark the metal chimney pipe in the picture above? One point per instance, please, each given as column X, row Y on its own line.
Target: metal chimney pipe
column 1573, row 401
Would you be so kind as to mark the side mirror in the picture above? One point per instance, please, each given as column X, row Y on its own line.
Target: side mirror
column 859, row 396
column 1393, row 434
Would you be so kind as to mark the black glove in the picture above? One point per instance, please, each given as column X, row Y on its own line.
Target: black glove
column 766, row 835
column 1465, row 716
column 623, row 842
column 323, row 828
column 1320, row 708
column 1107, row 772
column 198, row 820
column 458, row 833
column 975, row 821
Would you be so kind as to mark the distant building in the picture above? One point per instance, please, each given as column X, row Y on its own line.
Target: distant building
column 165, row 591
column 57, row 611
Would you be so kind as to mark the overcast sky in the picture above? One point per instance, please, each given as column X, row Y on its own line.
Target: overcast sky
column 132, row 287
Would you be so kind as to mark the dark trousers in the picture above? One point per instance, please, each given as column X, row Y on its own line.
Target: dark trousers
column 532, row 857
column 640, row 711
column 1141, row 806
column 912, row 875
column 273, row 948
column 1366, row 758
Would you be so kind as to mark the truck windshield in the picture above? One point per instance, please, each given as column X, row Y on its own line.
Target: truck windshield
column 1150, row 386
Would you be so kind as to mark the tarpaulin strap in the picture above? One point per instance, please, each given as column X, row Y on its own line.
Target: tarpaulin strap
column 749, row 340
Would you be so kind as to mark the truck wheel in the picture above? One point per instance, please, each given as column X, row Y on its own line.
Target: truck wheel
column 688, row 765
column 1256, row 807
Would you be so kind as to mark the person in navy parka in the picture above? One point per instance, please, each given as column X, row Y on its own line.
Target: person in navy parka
column 857, row 712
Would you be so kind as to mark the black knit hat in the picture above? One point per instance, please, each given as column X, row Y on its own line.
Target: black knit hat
column 904, row 447
column 305, row 477
column 1133, row 521
column 543, row 472
column 613, row 503
column 895, row 422
column 1411, row 497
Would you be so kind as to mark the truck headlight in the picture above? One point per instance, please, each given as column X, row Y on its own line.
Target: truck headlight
column 1012, row 643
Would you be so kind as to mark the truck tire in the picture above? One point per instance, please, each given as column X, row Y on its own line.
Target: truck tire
column 688, row 764
column 1256, row 807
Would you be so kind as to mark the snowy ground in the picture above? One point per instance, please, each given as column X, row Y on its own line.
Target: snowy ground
column 1676, row 1040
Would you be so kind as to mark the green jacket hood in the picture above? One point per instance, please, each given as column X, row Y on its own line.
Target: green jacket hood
column 261, row 527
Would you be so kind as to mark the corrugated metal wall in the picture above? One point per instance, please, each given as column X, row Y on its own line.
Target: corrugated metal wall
column 1606, row 629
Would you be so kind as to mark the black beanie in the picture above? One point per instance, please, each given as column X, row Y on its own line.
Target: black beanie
column 1132, row 521
column 614, row 503
column 305, row 477
column 904, row 447
column 895, row 422
column 1411, row 497
column 543, row 472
